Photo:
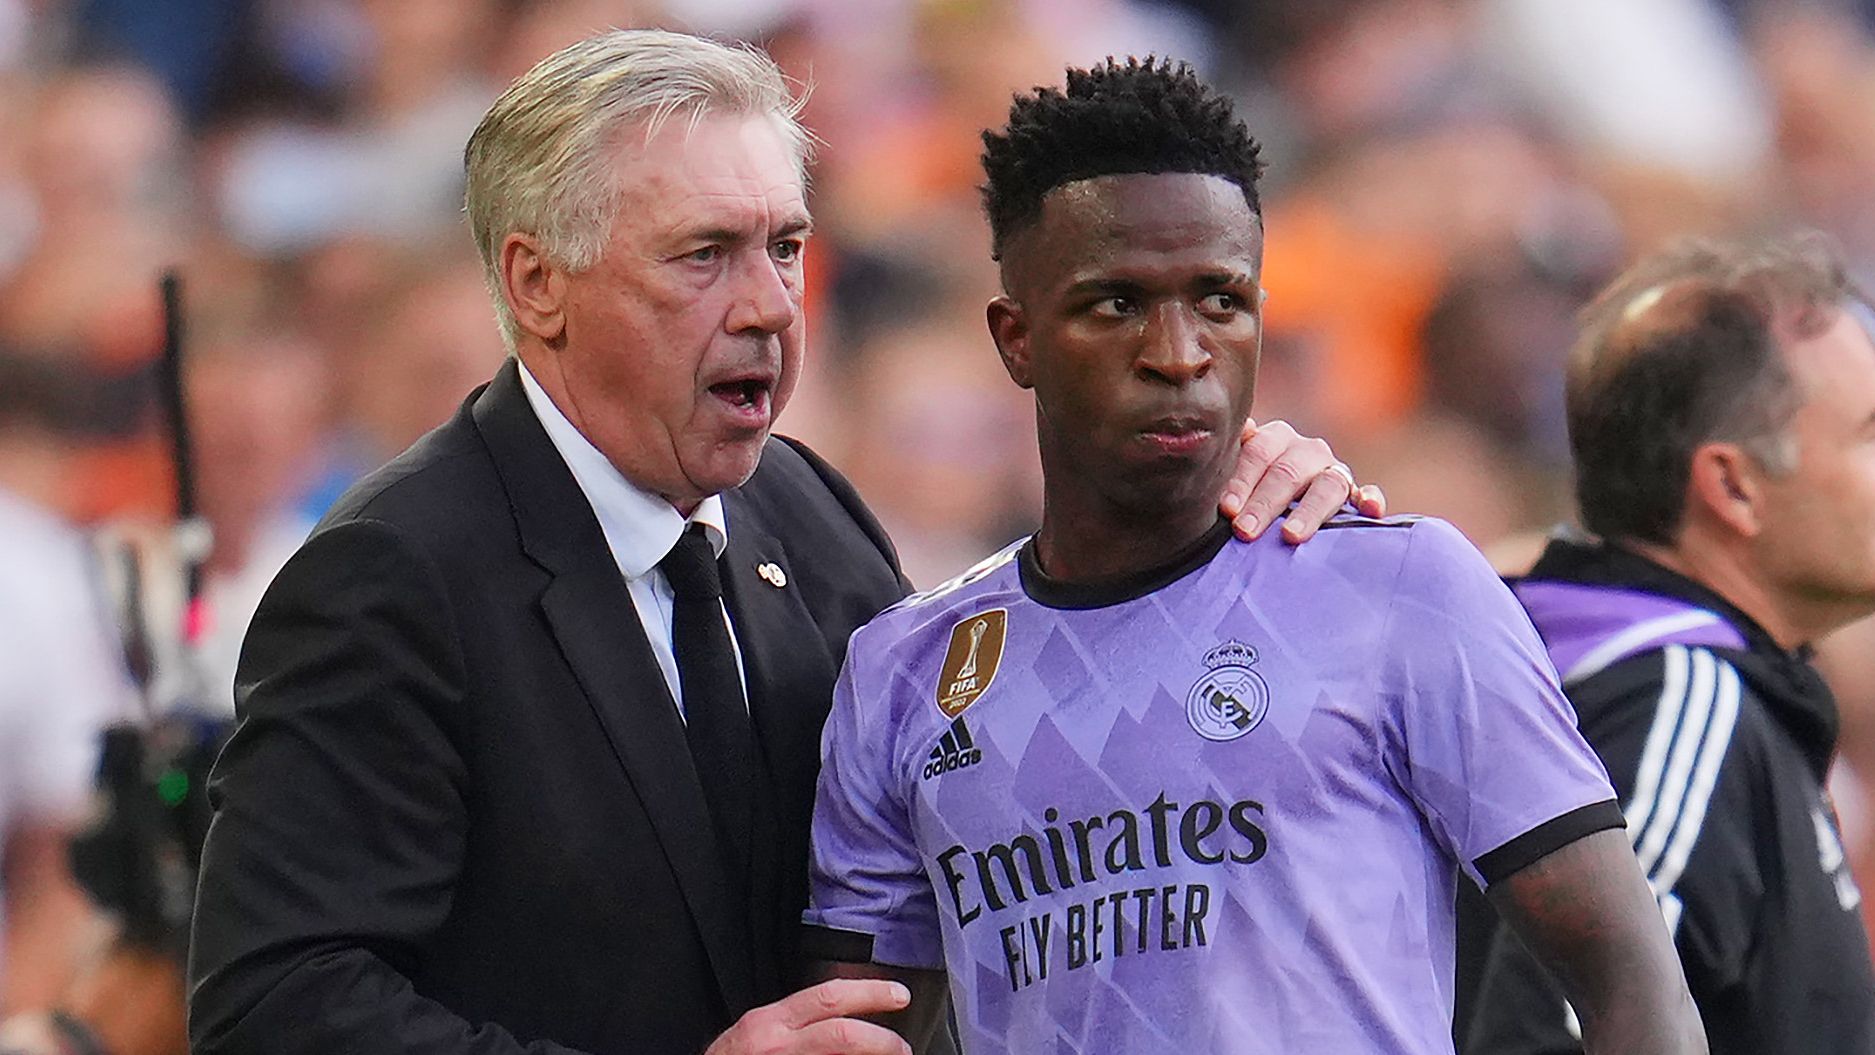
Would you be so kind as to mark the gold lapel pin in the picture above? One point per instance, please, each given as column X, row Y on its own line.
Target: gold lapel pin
column 772, row 574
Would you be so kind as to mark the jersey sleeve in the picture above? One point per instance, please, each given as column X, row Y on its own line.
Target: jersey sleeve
column 1686, row 786
column 1481, row 736
column 869, row 897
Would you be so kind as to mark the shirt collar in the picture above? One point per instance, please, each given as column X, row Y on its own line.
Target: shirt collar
column 1571, row 558
column 640, row 527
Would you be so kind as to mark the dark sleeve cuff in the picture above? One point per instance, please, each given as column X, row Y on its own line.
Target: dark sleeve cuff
column 1548, row 837
column 834, row 945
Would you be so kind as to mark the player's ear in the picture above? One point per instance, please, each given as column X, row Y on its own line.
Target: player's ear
column 535, row 287
column 1727, row 483
column 1009, row 328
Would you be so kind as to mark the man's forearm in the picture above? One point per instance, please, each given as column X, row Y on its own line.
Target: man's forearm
column 1588, row 915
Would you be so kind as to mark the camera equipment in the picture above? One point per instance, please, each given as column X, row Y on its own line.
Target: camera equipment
column 139, row 856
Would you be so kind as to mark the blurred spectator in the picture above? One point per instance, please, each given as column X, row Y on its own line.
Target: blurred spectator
column 428, row 343
column 1818, row 68
column 256, row 395
column 185, row 42
column 60, row 683
column 258, row 401
column 98, row 163
column 1652, row 84
column 1354, row 69
column 406, row 337
column 393, row 168
column 99, row 160
column 940, row 452
column 1494, row 345
column 1440, row 462
column 542, row 27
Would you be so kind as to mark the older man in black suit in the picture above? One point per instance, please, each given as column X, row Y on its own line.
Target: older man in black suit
column 530, row 726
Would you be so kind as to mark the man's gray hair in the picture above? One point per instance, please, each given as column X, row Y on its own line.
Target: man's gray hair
column 540, row 163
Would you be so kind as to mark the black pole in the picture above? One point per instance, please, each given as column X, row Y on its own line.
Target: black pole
column 182, row 449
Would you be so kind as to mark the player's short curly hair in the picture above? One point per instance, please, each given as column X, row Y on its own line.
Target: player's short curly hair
column 1115, row 119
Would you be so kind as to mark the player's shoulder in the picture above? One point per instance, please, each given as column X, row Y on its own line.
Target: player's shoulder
column 1387, row 543
column 1420, row 560
column 1349, row 520
column 985, row 585
column 1348, row 575
column 1419, row 542
column 426, row 489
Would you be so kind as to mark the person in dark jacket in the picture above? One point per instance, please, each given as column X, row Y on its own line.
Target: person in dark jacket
column 1722, row 415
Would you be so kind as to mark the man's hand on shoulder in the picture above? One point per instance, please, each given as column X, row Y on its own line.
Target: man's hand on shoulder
column 1278, row 465
column 821, row 1020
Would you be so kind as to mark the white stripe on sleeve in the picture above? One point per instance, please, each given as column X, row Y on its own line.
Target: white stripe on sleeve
column 1659, row 739
column 1700, row 692
column 1712, row 750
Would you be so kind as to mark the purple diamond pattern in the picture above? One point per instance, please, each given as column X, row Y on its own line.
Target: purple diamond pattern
column 1310, row 860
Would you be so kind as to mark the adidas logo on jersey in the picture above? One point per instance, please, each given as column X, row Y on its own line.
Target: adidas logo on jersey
column 954, row 751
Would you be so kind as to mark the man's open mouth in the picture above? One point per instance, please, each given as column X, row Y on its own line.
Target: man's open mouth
column 749, row 392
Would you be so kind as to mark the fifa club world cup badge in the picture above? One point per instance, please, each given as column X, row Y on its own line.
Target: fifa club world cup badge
column 976, row 650
column 1231, row 699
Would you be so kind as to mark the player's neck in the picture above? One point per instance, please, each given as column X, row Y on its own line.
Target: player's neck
column 1084, row 538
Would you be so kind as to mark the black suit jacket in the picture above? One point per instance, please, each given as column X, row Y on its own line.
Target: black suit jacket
column 459, row 813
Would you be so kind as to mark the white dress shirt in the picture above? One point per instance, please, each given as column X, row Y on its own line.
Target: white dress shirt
column 640, row 529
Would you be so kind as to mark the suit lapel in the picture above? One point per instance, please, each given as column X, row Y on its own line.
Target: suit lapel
column 589, row 610
column 783, row 656
column 789, row 672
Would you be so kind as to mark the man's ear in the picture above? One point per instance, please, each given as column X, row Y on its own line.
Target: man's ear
column 535, row 287
column 1728, row 485
column 1009, row 328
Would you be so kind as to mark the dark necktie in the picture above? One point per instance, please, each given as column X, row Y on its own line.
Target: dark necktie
column 716, row 719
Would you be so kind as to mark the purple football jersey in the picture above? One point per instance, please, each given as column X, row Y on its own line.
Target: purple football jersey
column 1221, row 807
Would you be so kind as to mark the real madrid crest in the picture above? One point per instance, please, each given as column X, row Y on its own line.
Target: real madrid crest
column 1231, row 699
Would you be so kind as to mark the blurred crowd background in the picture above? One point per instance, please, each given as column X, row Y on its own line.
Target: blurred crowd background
column 1448, row 180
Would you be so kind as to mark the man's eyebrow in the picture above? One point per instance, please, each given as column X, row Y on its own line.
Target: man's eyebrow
column 1108, row 286
column 730, row 235
column 1227, row 278
column 724, row 235
column 1117, row 286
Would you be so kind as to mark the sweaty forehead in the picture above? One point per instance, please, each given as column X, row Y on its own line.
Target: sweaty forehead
column 1162, row 221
